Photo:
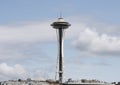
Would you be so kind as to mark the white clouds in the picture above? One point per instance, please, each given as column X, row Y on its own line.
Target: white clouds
column 27, row 32
column 18, row 71
column 97, row 43
column 12, row 72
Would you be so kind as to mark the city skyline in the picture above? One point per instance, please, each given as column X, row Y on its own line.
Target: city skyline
column 28, row 44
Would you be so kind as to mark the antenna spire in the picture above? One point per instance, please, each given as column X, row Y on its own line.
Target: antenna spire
column 60, row 14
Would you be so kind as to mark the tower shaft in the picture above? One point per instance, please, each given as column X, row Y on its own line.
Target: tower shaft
column 60, row 53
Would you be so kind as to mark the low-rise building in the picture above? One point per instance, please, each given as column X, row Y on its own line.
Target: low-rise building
column 26, row 82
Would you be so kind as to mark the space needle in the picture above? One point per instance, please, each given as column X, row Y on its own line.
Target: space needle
column 60, row 25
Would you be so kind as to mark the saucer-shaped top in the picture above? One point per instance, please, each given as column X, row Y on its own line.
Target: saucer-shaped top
column 60, row 24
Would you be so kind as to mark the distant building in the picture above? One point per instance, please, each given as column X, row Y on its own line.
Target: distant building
column 52, row 82
column 117, row 83
column 27, row 82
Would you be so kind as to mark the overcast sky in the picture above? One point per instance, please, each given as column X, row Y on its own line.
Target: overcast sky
column 28, row 44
